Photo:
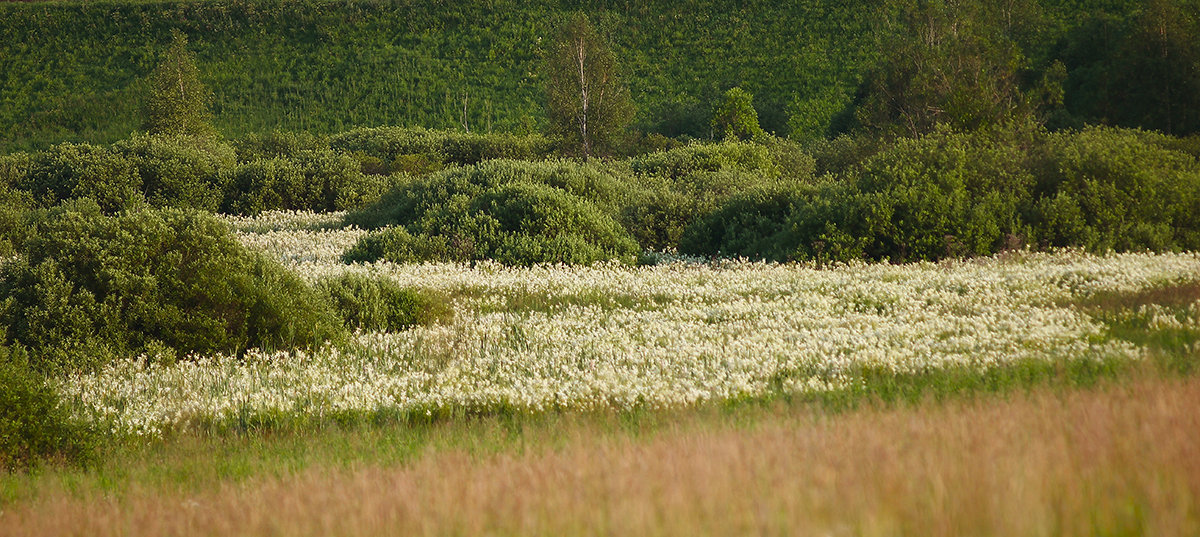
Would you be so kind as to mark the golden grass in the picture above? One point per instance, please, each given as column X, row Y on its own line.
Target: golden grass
column 1119, row 460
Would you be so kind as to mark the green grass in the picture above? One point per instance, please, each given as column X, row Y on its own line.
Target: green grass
column 76, row 70
column 212, row 454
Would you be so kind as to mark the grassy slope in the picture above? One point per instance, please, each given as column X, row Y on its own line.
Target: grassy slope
column 75, row 71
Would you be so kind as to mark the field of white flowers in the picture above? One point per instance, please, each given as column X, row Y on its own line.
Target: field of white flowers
column 676, row 333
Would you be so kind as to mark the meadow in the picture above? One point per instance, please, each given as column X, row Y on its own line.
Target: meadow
column 679, row 333
column 364, row 267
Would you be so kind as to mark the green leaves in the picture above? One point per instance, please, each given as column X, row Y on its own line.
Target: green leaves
column 90, row 288
column 178, row 101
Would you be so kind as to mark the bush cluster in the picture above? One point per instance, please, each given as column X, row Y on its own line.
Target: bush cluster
column 381, row 305
column 414, row 149
column 91, row 287
column 34, row 424
column 952, row 194
column 511, row 211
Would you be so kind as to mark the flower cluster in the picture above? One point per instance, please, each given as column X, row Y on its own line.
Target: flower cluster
column 611, row 335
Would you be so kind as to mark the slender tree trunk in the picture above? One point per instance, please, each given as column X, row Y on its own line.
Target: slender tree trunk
column 583, row 98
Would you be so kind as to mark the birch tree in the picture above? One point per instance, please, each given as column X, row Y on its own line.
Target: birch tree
column 587, row 102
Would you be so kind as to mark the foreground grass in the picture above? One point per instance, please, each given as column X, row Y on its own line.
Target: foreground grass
column 1038, row 447
column 1114, row 459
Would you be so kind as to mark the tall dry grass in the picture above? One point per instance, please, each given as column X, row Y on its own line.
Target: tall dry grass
column 1122, row 460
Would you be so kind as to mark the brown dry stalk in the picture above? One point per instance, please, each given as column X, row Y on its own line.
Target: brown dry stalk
column 1122, row 460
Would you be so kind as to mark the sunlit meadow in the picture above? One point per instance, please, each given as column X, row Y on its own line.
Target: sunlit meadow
column 680, row 332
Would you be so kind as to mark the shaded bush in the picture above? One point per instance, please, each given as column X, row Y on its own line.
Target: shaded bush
column 1106, row 188
column 279, row 144
column 953, row 194
column 381, row 305
column 406, row 149
column 784, row 222
column 179, row 171
column 68, row 171
column 514, row 212
column 34, row 425
column 675, row 187
column 14, row 207
column 90, row 288
column 312, row 180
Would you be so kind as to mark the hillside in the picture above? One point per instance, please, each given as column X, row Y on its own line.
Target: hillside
column 74, row 71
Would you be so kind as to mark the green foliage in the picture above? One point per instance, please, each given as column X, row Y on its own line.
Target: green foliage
column 702, row 157
column 178, row 101
column 957, row 63
column 951, row 194
column 68, row 171
column 418, row 150
column 34, row 424
column 179, row 171
column 1106, row 188
column 14, row 208
column 587, row 102
column 307, row 180
column 735, row 117
column 91, row 288
column 382, row 305
column 673, row 188
column 511, row 211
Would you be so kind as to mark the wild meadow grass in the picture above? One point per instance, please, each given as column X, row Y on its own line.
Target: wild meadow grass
column 678, row 334
column 1023, row 394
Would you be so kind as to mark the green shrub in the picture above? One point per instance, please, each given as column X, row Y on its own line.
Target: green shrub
column 511, row 211
column 402, row 147
column 90, row 288
column 381, row 305
column 179, row 171
column 762, row 223
column 68, row 171
column 943, row 195
column 674, row 188
column 952, row 194
column 279, row 144
column 1120, row 189
column 13, row 168
column 14, row 208
column 841, row 155
column 306, row 180
column 707, row 157
column 34, row 425
column 735, row 117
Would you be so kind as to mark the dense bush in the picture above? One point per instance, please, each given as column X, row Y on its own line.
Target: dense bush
column 782, row 222
column 312, row 180
column 706, row 157
column 955, row 194
column 675, row 187
column 511, row 211
column 14, row 207
column 400, row 148
column 68, row 171
column 34, row 425
column 1106, row 188
column 381, row 305
column 90, row 287
column 179, row 171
